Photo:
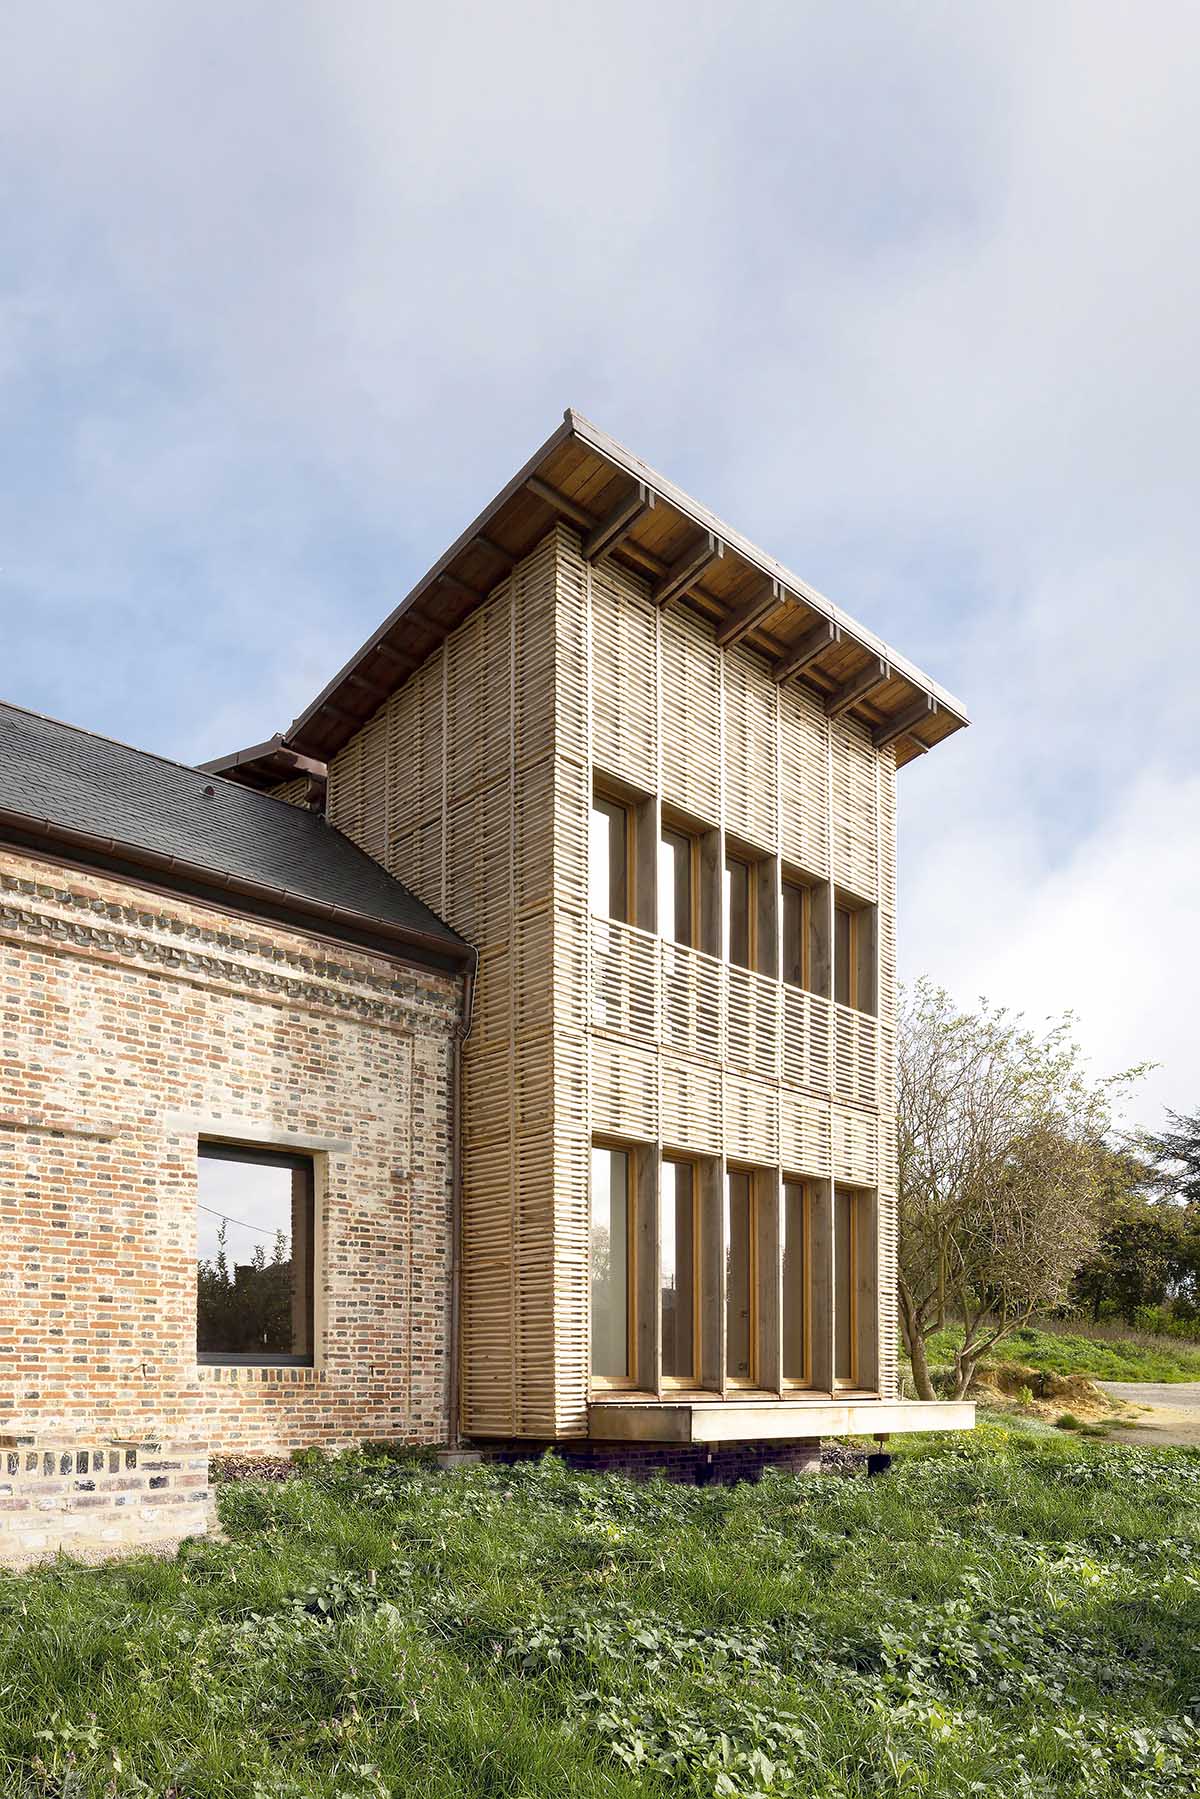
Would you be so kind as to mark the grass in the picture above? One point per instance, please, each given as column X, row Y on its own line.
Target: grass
column 1012, row 1614
column 1073, row 1351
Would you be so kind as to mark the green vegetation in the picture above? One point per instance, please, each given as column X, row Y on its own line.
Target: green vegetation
column 1012, row 1614
column 1071, row 1352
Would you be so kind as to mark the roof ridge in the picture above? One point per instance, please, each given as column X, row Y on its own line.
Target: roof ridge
column 134, row 749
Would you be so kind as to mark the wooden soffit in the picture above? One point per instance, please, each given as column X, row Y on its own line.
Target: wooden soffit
column 625, row 510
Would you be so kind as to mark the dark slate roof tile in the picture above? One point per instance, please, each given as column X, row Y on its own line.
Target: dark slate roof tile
column 78, row 781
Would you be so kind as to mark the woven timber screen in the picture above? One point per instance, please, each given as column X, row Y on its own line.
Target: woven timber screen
column 472, row 784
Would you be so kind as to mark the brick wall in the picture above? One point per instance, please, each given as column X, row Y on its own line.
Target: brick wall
column 691, row 1464
column 127, row 1021
column 99, row 1498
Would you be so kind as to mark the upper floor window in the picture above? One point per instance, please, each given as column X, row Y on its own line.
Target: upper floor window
column 610, row 869
column 679, row 885
column 739, row 921
column 853, row 954
column 254, row 1250
column 797, row 969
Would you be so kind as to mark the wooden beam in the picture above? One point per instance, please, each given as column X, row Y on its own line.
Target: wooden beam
column 620, row 521
column 823, row 635
column 587, row 521
column 915, row 745
column 739, row 623
column 488, row 543
column 901, row 723
column 688, row 570
column 876, row 672
column 577, row 514
column 468, row 592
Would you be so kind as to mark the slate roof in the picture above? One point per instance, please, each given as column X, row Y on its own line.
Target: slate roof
column 60, row 781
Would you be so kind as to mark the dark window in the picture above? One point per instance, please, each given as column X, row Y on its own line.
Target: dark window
column 254, row 1237
column 739, row 911
column 797, row 923
column 678, row 858
column 845, row 956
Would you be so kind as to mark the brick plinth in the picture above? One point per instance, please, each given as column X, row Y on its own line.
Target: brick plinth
column 76, row 1491
column 128, row 1020
column 690, row 1464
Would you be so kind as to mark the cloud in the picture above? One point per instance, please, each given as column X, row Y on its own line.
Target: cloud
column 908, row 293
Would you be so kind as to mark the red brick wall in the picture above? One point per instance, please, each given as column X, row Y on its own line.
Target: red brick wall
column 126, row 1016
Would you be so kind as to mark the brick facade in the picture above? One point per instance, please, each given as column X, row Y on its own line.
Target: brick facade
column 690, row 1464
column 131, row 1021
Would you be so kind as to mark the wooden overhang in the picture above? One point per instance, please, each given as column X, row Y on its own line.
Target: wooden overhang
column 748, row 1421
column 267, row 765
column 624, row 510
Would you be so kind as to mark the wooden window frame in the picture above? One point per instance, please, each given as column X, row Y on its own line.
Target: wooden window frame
column 680, row 1383
column 744, row 1383
column 753, row 866
column 621, row 1383
column 792, row 1383
column 848, row 1383
column 804, row 889
column 680, row 827
column 219, row 1150
column 601, row 791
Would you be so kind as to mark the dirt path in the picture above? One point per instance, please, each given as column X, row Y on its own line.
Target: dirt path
column 1169, row 1411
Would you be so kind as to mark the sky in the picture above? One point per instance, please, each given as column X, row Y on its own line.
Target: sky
column 908, row 292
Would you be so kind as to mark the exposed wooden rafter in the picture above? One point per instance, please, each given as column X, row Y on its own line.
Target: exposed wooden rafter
column 743, row 621
column 823, row 635
column 578, row 515
column 873, row 675
column 688, row 570
column 620, row 521
column 901, row 723
column 495, row 549
column 464, row 587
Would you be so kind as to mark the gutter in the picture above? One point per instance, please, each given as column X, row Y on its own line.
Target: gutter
column 411, row 937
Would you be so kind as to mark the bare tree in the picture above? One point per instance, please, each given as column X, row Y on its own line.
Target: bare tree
column 1003, row 1145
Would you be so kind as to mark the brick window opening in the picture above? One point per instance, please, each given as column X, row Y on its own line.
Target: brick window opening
column 254, row 1249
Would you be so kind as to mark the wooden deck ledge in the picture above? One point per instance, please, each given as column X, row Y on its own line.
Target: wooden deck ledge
column 725, row 1421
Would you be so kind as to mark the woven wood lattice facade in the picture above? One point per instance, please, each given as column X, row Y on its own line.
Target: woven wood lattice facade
column 473, row 784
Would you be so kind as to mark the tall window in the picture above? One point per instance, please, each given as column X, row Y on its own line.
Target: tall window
column 795, row 1252
column 797, row 928
column 845, row 1286
column 678, row 884
column 609, row 859
column 739, row 912
column 845, row 955
column 679, row 1251
column 254, row 1251
column 740, row 1234
column 612, row 1266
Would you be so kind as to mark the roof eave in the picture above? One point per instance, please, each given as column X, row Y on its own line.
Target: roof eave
column 946, row 713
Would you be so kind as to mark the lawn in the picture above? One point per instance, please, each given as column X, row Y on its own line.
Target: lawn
column 1100, row 1358
column 1003, row 1614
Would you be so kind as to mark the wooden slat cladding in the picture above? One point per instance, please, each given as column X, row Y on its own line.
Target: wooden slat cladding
column 473, row 784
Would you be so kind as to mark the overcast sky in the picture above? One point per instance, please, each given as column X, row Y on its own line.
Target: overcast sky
column 907, row 292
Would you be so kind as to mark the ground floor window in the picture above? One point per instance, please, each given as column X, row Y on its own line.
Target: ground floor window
column 254, row 1249
column 706, row 1275
column 612, row 1266
column 741, row 1278
column 794, row 1228
column 679, row 1269
column 846, row 1253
